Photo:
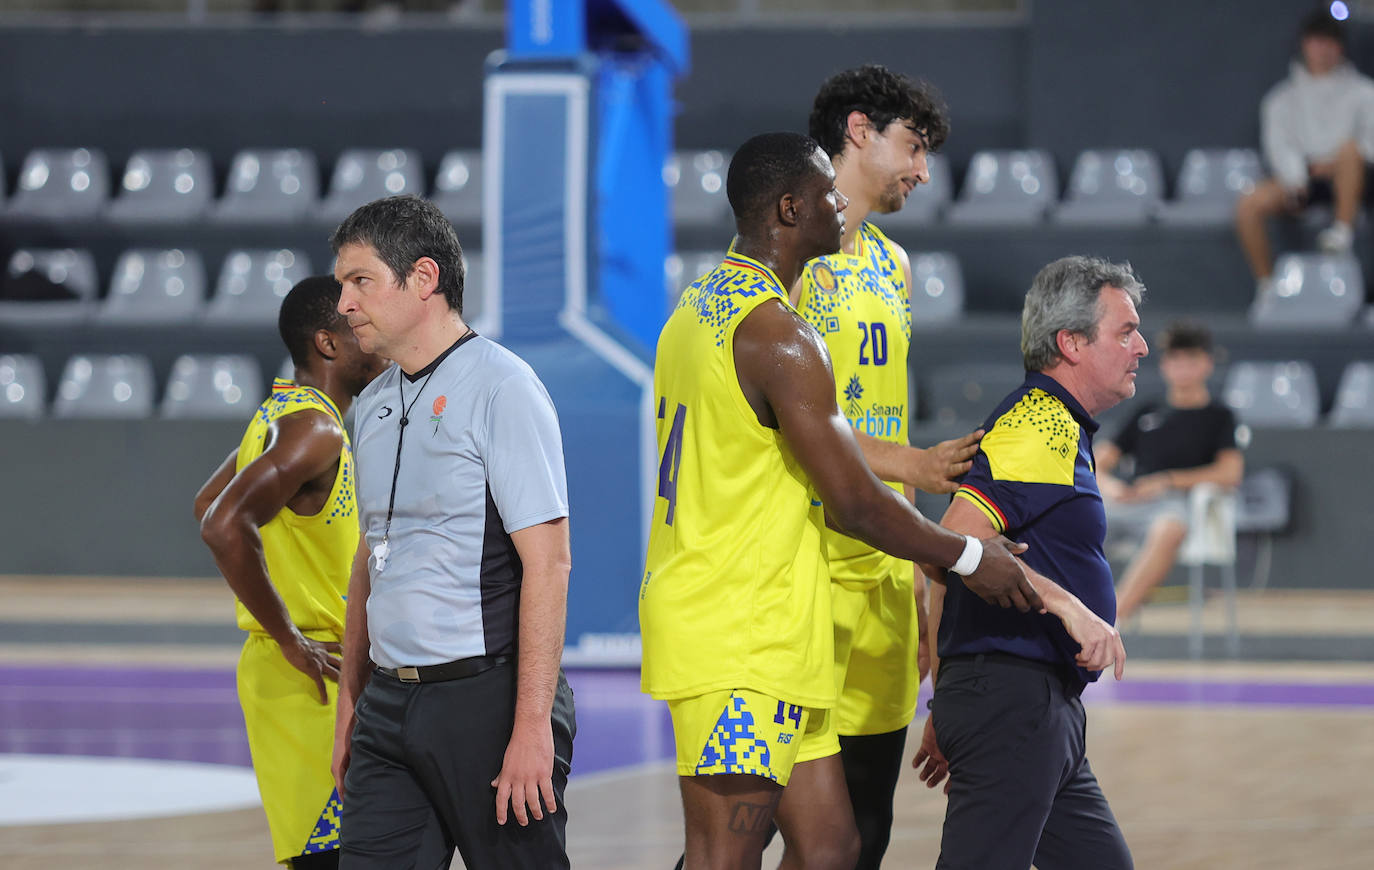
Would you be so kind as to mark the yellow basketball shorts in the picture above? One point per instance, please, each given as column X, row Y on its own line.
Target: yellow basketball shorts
column 876, row 640
column 291, row 737
column 741, row 731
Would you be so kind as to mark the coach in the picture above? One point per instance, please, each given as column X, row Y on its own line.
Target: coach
column 463, row 723
column 1006, row 712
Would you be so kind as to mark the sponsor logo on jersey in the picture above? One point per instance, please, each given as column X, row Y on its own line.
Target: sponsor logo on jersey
column 823, row 277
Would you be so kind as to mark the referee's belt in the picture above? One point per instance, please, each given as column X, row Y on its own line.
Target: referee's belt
column 469, row 667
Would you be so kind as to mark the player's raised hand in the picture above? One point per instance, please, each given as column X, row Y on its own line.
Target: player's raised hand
column 936, row 468
column 316, row 659
column 1000, row 578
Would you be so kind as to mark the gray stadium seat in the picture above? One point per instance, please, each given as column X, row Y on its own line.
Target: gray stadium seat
column 1312, row 290
column 937, row 289
column 696, row 186
column 1278, row 394
column 458, row 186
column 967, row 394
column 474, row 286
column 171, row 184
column 1006, row 187
column 213, row 387
column 2, row 181
column 681, row 269
column 48, row 273
column 1355, row 397
column 1121, row 187
column 62, row 183
column 1209, row 183
column 287, row 372
column 364, row 174
column 100, row 385
column 155, row 287
column 252, row 284
column 269, row 185
column 927, row 202
column 23, row 388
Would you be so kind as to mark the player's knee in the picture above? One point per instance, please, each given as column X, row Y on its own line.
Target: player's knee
column 1169, row 530
column 838, row 851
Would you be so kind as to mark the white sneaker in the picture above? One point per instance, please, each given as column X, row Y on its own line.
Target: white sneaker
column 1264, row 295
column 1336, row 239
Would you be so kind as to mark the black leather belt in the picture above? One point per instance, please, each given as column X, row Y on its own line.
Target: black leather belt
column 446, row 671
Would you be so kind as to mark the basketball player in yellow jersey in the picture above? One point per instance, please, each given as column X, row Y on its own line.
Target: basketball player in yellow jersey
column 878, row 127
column 279, row 516
column 735, row 599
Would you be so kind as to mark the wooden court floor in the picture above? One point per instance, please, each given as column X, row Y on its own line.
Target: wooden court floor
column 1203, row 785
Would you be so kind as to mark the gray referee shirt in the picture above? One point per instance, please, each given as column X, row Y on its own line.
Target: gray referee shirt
column 481, row 457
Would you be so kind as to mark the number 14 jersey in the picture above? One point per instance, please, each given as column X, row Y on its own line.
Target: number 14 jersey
column 735, row 593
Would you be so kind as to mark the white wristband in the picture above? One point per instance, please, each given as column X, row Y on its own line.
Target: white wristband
column 969, row 559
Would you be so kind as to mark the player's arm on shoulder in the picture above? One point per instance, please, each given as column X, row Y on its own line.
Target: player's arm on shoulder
column 210, row 490
column 784, row 371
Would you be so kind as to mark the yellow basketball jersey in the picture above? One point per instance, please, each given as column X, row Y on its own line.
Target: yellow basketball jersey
column 308, row 557
column 735, row 592
column 861, row 305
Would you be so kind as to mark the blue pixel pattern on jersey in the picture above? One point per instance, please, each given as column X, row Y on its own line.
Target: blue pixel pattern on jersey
column 734, row 746
column 325, row 836
column 715, row 294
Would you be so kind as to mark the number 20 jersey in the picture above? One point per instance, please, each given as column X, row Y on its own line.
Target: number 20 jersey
column 735, row 593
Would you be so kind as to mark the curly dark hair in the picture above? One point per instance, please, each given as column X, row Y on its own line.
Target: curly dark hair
column 884, row 96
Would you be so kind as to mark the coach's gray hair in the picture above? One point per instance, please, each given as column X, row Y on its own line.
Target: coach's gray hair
column 1064, row 296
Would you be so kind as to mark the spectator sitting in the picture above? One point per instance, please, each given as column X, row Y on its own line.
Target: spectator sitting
column 1177, row 443
column 1317, row 132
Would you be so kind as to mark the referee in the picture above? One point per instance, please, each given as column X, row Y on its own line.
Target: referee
column 462, row 731
column 1006, row 712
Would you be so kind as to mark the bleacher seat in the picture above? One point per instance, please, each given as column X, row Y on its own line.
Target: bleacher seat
column 62, row 184
column 364, row 174
column 1119, row 187
column 252, row 284
column 1355, row 397
column 1209, row 183
column 927, row 202
column 48, row 286
column 155, row 287
column 103, row 385
column 696, row 187
column 287, row 371
column 474, row 286
column 937, row 288
column 164, row 185
column 1280, row 394
column 681, row 269
column 458, row 186
column 1312, row 290
column 2, row 181
column 1001, row 187
column 966, row 394
column 279, row 185
column 213, row 387
column 23, row 388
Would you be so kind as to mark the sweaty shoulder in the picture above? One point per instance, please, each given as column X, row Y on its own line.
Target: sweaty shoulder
column 1034, row 441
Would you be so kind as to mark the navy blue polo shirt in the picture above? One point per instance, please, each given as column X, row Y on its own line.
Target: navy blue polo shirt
column 1034, row 479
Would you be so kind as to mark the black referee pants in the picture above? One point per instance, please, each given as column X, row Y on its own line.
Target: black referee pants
column 1021, row 789
column 419, row 782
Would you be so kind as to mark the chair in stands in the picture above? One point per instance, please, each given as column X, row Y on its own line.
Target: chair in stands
column 1354, row 406
column 364, row 174
column 458, row 187
column 164, row 185
column 927, row 202
column 681, row 269
column 105, row 386
column 1312, row 290
column 1117, row 187
column 252, row 284
column 62, row 184
column 1264, row 509
column 213, row 387
column 1006, row 187
column 270, row 186
column 155, row 287
column 937, row 289
column 1209, row 183
column 23, row 388
column 48, row 286
column 1211, row 541
column 696, row 183
column 966, row 394
column 474, row 287
column 1277, row 394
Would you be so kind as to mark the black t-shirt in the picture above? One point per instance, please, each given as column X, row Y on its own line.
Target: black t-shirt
column 1162, row 438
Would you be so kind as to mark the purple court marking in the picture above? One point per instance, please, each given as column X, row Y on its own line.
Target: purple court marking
column 193, row 715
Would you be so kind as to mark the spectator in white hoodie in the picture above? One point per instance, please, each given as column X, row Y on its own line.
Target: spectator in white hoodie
column 1317, row 131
